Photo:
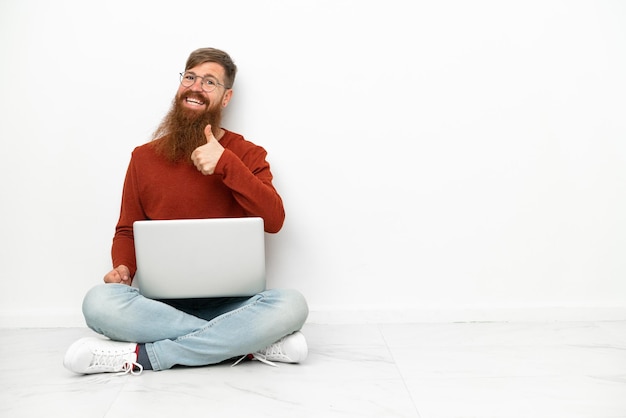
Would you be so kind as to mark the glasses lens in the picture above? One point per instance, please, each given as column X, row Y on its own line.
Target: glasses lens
column 187, row 79
column 208, row 85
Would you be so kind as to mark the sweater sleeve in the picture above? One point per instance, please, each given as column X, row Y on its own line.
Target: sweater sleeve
column 123, row 248
column 250, row 180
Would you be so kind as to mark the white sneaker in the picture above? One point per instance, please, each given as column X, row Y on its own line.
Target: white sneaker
column 96, row 355
column 290, row 349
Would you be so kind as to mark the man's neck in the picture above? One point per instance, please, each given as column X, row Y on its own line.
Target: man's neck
column 220, row 134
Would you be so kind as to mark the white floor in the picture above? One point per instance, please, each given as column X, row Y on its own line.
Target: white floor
column 530, row 370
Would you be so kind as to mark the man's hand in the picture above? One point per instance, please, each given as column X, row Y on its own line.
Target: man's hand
column 206, row 156
column 120, row 274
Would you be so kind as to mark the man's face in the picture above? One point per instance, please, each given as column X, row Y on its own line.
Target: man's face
column 182, row 129
column 197, row 101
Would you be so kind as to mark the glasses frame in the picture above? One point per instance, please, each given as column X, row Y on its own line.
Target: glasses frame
column 203, row 84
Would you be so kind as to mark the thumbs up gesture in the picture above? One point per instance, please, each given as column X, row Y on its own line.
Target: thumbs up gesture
column 206, row 156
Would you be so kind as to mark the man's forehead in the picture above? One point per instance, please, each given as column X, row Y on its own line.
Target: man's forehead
column 208, row 69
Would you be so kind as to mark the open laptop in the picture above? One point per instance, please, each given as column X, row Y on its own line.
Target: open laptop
column 199, row 258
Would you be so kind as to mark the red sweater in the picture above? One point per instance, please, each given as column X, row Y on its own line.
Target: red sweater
column 157, row 189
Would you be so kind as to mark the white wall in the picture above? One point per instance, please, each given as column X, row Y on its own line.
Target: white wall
column 444, row 160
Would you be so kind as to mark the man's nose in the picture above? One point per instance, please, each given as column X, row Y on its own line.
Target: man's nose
column 197, row 84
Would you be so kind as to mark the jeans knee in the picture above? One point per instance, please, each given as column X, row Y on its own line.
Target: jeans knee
column 99, row 304
column 294, row 306
column 91, row 303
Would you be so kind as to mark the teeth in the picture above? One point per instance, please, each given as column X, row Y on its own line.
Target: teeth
column 190, row 100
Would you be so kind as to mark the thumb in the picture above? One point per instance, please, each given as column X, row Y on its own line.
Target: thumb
column 124, row 273
column 208, row 133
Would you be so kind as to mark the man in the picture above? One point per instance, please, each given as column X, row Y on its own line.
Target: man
column 193, row 168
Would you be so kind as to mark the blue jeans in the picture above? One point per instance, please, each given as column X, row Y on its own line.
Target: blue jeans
column 194, row 332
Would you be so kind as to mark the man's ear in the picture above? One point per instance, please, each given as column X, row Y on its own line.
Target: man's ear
column 227, row 97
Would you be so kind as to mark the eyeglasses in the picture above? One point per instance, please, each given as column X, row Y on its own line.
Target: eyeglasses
column 187, row 79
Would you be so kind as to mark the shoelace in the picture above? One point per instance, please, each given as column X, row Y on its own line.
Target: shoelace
column 255, row 356
column 108, row 360
column 129, row 367
column 274, row 351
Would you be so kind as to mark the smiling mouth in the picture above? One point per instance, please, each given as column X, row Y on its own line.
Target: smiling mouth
column 194, row 101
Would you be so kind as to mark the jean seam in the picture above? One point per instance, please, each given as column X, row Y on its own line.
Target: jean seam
column 154, row 361
column 220, row 318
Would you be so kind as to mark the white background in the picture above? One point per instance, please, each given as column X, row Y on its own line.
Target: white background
column 448, row 160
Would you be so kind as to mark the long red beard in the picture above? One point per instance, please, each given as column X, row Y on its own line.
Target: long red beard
column 182, row 131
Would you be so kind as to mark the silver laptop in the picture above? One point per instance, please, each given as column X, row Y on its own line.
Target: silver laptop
column 200, row 258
